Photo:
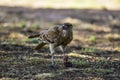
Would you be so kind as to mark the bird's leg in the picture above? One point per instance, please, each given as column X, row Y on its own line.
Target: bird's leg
column 52, row 51
column 63, row 50
column 65, row 57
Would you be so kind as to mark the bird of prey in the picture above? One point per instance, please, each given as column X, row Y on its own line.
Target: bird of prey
column 58, row 36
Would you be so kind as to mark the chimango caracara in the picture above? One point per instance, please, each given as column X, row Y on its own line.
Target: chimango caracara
column 58, row 36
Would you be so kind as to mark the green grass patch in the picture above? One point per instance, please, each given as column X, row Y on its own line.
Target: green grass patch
column 35, row 26
column 98, row 70
column 34, row 40
column 92, row 38
column 23, row 24
column 91, row 50
column 81, row 63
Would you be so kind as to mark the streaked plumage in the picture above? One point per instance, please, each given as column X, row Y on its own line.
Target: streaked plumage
column 60, row 35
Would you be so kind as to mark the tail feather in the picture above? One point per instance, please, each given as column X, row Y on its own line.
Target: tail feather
column 33, row 36
column 39, row 46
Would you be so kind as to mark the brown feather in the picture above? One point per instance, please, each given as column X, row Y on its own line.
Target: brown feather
column 58, row 35
column 39, row 46
column 33, row 36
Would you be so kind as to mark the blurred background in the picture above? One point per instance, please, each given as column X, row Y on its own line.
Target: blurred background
column 97, row 17
column 64, row 4
column 95, row 49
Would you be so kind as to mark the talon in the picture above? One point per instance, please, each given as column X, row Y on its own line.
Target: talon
column 52, row 66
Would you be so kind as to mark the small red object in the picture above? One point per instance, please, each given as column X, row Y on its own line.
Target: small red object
column 66, row 62
column 65, row 59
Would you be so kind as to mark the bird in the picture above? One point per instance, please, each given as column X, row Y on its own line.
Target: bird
column 57, row 36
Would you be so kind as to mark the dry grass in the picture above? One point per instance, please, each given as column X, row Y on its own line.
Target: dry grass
column 97, row 4
column 93, row 55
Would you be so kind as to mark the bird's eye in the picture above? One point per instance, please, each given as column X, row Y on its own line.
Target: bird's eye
column 64, row 27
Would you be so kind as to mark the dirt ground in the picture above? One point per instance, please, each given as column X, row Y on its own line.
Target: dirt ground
column 94, row 51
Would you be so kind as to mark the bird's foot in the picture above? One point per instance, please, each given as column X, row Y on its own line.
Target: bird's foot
column 53, row 67
column 68, row 64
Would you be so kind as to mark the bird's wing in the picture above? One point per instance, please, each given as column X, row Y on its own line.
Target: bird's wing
column 51, row 35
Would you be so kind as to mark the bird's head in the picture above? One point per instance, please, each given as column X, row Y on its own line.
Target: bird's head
column 67, row 26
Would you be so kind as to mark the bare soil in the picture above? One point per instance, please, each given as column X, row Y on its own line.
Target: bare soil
column 95, row 47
